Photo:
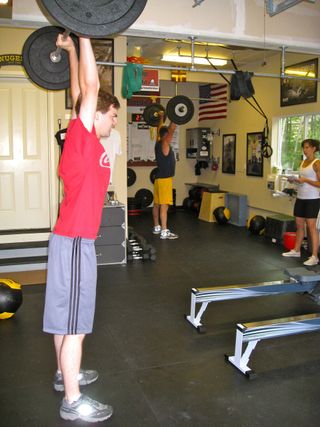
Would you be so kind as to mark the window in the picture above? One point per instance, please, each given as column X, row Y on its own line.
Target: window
column 289, row 133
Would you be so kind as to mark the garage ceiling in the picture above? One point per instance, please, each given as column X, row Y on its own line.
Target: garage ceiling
column 152, row 50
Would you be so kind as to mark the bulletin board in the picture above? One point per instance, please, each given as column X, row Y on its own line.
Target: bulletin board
column 142, row 139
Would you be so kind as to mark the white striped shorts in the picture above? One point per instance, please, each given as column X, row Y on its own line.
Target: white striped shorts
column 71, row 286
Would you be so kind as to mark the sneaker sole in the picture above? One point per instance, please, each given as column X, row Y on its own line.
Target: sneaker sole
column 60, row 387
column 69, row 416
column 291, row 256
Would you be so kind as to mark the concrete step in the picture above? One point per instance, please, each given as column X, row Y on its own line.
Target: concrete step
column 23, row 264
column 23, row 255
column 23, row 249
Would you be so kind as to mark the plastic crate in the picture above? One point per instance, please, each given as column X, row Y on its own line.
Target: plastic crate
column 276, row 225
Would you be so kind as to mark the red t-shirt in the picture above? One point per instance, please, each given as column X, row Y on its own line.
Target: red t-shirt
column 85, row 171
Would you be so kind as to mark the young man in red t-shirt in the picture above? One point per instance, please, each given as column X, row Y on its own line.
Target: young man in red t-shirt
column 72, row 268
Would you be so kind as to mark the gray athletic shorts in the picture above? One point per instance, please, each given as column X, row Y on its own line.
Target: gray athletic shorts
column 71, row 286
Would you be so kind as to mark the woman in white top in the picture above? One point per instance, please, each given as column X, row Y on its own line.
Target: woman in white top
column 307, row 205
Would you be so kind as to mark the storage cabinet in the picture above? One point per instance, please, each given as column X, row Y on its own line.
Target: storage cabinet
column 278, row 224
column 198, row 143
column 111, row 240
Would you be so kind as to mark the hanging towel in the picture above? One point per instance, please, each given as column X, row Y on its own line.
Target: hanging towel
column 131, row 79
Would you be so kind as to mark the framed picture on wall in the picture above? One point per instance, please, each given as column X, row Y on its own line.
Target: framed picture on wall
column 297, row 91
column 254, row 154
column 68, row 101
column 103, row 52
column 229, row 153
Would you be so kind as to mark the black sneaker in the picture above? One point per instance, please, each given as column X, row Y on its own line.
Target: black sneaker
column 85, row 377
column 85, row 409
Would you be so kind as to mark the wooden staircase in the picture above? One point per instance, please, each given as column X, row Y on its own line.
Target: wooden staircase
column 23, row 250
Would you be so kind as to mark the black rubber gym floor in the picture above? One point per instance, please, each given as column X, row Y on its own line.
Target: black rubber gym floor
column 155, row 369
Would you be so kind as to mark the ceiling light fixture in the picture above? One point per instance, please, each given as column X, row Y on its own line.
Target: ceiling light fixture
column 300, row 73
column 200, row 60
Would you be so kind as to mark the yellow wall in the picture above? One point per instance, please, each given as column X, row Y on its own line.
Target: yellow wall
column 12, row 41
column 241, row 119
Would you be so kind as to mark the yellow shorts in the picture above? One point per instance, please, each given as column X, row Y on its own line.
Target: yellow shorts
column 162, row 194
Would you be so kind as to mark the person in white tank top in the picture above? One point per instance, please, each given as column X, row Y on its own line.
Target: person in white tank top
column 307, row 204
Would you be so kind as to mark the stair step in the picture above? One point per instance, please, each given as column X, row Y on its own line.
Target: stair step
column 23, row 267
column 23, row 264
column 26, row 231
column 16, row 253
column 23, row 245
column 23, row 249
column 7, row 239
column 24, row 260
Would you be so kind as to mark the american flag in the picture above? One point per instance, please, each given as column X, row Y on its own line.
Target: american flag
column 216, row 106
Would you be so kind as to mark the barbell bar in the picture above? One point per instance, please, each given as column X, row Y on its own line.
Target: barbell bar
column 47, row 65
column 55, row 56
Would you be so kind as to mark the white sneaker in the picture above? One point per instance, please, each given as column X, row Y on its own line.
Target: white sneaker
column 313, row 260
column 156, row 229
column 292, row 254
column 166, row 234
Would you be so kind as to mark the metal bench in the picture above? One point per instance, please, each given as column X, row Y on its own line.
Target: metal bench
column 300, row 280
column 252, row 333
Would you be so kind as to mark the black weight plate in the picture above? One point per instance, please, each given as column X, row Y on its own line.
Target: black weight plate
column 37, row 63
column 151, row 114
column 95, row 18
column 153, row 175
column 180, row 109
column 131, row 175
column 144, row 196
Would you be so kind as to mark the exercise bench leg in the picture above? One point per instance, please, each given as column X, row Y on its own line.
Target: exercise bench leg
column 241, row 359
column 194, row 319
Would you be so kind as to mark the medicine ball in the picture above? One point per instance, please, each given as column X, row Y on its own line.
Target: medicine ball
column 195, row 206
column 222, row 215
column 196, row 193
column 257, row 224
column 10, row 298
column 187, row 203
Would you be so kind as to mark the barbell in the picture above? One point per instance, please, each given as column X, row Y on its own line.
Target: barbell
column 180, row 110
column 37, row 54
column 153, row 114
column 94, row 19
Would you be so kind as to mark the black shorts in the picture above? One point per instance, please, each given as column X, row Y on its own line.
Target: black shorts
column 306, row 208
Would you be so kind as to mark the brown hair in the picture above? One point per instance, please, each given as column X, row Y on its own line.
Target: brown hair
column 104, row 102
column 313, row 142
